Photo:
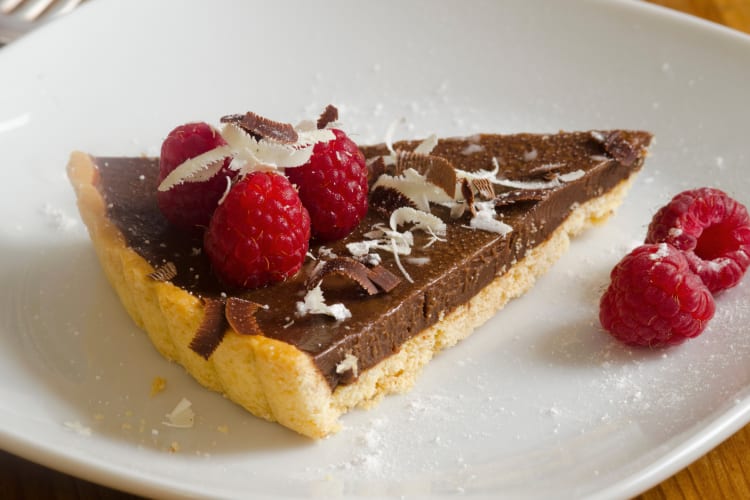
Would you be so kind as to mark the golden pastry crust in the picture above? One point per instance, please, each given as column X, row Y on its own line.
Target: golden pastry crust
column 272, row 379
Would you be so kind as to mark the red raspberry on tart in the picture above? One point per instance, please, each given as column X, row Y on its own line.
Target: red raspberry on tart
column 190, row 204
column 654, row 299
column 333, row 187
column 260, row 232
column 712, row 229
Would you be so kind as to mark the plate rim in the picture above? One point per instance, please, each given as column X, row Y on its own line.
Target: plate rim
column 708, row 436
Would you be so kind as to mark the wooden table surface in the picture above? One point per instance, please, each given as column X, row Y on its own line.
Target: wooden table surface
column 722, row 473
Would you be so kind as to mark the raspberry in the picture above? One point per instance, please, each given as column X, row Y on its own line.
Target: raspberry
column 333, row 187
column 260, row 233
column 712, row 229
column 191, row 204
column 654, row 299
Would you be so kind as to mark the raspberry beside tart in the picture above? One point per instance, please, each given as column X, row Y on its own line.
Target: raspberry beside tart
column 285, row 351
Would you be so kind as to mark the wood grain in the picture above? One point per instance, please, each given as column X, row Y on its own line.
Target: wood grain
column 732, row 13
column 722, row 473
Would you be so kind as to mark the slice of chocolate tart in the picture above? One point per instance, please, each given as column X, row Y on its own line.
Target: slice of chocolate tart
column 456, row 227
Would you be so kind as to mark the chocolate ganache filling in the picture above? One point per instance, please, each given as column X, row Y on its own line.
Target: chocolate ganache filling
column 542, row 179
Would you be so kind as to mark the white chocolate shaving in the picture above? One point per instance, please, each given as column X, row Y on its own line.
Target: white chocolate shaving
column 314, row 303
column 423, row 221
column 248, row 154
column 485, row 219
column 426, row 146
column 383, row 237
column 226, row 190
column 398, row 262
column 414, row 186
column 350, row 362
column 372, row 259
column 572, row 176
column 312, row 137
column 194, row 169
column 480, row 174
column 390, row 132
column 254, row 153
column 182, row 416
column 361, row 248
column 557, row 181
column 397, row 242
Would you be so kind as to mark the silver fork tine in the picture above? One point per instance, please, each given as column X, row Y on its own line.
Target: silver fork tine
column 8, row 6
column 18, row 17
column 37, row 9
column 34, row 9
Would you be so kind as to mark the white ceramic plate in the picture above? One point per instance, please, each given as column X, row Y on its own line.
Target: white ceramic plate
column 538, row 402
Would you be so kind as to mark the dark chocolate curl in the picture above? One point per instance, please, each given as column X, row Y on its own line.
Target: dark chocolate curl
column 484, row 188
column 211, row 330
column 329, row 115
column 240, row 314
column 263, row 128
column 382, row 277
column 625, row 148
column 468, row 194
column 519, row 196
column 437, row 170
column 346, row 267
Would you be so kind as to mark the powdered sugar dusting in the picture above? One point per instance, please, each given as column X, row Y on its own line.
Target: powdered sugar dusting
column 58, row 218
column 660, row 253
column 715, row 265
column 625, row 385
column 78, row 427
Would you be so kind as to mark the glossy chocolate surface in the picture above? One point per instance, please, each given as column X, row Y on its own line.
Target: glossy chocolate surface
column 451, row 272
